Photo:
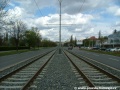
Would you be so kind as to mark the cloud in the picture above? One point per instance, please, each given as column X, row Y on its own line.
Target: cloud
column 78, row 6
column 81, row 19
column 73, row 23
column 117, row 23
column 68, row 6
column 115, row 10
column 31, row 6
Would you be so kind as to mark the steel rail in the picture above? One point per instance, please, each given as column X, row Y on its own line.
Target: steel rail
column 88, row 81
column 98, row 68
column 25, row 87
column 20, row 68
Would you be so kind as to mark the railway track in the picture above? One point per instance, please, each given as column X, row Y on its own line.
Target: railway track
column 91, row 75
column 22, row 78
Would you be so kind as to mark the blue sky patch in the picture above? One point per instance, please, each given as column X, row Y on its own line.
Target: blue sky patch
column 45, row 11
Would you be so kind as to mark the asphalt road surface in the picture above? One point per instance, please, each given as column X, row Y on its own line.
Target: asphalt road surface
column 6, row 61
column 112, row 61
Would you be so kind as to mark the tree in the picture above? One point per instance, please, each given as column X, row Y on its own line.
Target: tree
column 18, row 32
column 1, row 40
column 99, row 35
column 30, row 37
column 75, row 41
column 71, row 39
column 115, row 31
column 33, row 37
column 38, row 36
column 47, row 43
column 5, row 39
column 3, row 13
column 86, row 42
column 101, row 38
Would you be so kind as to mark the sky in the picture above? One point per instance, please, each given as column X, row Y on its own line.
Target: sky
column 80, row 18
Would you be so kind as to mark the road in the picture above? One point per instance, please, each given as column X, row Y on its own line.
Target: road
column 6, row 61
column 112, row 61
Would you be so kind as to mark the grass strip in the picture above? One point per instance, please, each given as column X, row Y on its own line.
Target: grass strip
column 4, row 53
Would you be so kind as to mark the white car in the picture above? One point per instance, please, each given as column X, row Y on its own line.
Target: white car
column 118, row 49
column 113, row 49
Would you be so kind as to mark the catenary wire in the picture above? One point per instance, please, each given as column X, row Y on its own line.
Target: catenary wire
column 39, row 9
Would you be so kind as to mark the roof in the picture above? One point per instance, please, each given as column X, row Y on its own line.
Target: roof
column 93, row 38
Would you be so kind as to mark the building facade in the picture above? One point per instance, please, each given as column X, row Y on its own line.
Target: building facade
column 114, row 39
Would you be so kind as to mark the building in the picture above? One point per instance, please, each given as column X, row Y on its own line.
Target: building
column 114, row 39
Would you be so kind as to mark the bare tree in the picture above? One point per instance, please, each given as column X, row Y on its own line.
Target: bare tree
column 18, row 31
column 3, row 13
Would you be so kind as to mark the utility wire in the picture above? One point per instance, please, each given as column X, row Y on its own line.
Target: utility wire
column 81, row 6
column 59, row 0
column 39, row 10
column 79, row 10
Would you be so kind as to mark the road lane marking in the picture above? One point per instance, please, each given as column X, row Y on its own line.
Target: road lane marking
column 113, row 59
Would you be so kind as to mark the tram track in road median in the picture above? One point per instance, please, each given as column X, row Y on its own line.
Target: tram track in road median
column 22, row 77
column 94, row 76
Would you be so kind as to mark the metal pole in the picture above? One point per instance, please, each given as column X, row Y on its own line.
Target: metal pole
column 60, row 31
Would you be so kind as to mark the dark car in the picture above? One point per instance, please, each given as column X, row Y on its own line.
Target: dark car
column 108, row 49
column 70, row 48
column 102, row 49
column 95, row 48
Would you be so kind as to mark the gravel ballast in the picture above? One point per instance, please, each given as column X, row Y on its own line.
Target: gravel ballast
column 59, row 75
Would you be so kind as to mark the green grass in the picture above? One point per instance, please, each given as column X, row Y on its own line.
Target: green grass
column 104, row 52
column 20, row 51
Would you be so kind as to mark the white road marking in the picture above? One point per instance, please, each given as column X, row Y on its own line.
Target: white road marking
column 113, row 59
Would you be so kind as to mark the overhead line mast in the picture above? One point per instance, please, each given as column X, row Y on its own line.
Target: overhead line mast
column 60, row 1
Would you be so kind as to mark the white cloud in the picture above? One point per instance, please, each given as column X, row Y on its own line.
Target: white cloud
column 117, row 23
column 32, row 5
column 77, row 6
column 71, row 14
column 115, row 10
column 52, row 31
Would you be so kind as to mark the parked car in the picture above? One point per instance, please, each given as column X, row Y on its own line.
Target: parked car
column 102, row 49
column 108, row 49
column 113, row 49
column 95, row 48
column 70, row 48
column 118, row 49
